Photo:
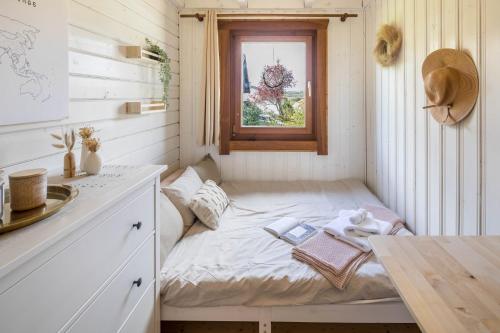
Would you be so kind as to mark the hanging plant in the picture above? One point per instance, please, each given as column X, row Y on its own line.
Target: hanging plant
column 165, row 72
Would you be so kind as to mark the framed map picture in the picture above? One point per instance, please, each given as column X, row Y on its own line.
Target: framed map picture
column 33, row 61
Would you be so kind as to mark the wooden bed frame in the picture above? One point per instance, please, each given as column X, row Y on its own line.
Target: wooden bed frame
column 382, row 312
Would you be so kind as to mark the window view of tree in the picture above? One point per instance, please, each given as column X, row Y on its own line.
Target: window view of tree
column 277, row 98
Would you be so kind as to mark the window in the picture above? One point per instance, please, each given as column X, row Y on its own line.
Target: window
column 273, row 85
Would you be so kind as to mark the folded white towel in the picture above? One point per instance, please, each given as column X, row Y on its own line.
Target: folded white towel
column 358, row 216
column 337, row 228
column 361, row 243
column 370, row 226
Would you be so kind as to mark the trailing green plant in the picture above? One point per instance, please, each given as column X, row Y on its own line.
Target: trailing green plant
column 165, row 71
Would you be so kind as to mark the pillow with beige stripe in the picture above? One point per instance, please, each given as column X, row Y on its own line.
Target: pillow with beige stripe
column 209, row 203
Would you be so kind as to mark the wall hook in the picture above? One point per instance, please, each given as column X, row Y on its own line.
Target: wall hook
column 448, row 107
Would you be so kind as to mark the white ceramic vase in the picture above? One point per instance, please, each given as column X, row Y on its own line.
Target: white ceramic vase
column 83, row 156
column 93, row 163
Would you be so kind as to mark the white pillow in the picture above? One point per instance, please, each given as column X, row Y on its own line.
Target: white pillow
column 207, row 169
column 180, row 193
column 209, row 203
column 171, row 227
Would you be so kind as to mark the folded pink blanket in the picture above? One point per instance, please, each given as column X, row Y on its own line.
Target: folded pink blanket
column 337, row 261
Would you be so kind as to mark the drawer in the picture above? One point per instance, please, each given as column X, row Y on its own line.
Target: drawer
column 112, row 307
column 142, row 320
column 54, row 292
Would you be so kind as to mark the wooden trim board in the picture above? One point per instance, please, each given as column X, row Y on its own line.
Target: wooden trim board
column 382, row 312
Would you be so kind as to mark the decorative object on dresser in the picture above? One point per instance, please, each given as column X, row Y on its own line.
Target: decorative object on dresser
column 28, row 189
column 58, row 196
column 75, row 271
column 451, row 84
column 93, row 164
column 67, row 140
column 388, row 45
column 85, row 133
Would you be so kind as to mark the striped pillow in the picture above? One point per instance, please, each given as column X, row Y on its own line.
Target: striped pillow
column 209, row 203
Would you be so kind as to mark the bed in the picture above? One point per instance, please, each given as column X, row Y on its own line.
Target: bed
column 240, row 272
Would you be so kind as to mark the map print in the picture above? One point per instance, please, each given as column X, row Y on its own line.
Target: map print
column 34, row 71
column 17, row 39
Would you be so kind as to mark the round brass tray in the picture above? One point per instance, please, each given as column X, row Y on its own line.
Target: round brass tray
column 58, row 196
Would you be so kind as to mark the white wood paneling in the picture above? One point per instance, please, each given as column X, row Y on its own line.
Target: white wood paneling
column 281, row 4
column 491, row 98
column 346, row 115
column 441, row 179
column 101, row 80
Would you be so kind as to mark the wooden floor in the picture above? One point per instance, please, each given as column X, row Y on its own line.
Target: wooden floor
column 234, row 327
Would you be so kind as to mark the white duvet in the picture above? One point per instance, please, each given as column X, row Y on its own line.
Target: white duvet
column 241, row 264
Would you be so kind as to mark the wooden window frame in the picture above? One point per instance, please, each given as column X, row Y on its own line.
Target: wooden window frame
column 313, row 137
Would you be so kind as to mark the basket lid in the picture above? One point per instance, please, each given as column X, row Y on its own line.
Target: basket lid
column 28, row 173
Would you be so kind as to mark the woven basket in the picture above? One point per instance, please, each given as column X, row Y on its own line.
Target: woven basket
column 28, row 189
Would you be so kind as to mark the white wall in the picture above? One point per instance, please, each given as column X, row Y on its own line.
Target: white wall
column 346, row 116
column 444, row 180
column 102, row 80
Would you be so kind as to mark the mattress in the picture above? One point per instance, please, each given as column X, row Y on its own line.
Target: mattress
column 241, row 264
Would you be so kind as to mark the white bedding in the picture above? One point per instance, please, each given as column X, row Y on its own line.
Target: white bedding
column 241, row 264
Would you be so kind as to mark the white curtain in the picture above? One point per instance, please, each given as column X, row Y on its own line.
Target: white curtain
column 208, row 122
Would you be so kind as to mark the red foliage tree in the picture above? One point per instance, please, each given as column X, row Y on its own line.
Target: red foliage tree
column 271, row 89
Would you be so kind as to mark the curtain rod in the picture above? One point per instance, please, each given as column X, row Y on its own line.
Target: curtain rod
column 201, row 17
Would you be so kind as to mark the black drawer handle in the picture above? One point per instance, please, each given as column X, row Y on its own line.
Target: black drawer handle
column 137, row 282
column 137, row 225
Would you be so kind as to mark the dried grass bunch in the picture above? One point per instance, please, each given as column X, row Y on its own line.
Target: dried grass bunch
column 66, row 140
column 388, row 45
column 93, row 144
column 86, row 132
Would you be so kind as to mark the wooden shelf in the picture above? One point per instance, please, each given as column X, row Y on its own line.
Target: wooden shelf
column 138, row 52
column 146, row 108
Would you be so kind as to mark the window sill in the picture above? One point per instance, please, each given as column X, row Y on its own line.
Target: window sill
column 268, row 145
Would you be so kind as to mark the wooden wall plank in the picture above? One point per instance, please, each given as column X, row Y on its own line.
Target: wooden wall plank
column 411, row 110
column 434, row 130
column 491, row 161
column 400, row 115
column 370, row 100
column 391, row 119
column 451, row 142
column 470, row 127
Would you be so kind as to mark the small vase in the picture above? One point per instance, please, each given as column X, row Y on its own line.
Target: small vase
column 69, row 165
column 83, row 156
column 93, row 163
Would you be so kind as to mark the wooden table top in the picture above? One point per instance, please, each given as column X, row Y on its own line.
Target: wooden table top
column 449, row 284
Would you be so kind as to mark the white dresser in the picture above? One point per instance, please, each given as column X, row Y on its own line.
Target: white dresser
column 93, row 267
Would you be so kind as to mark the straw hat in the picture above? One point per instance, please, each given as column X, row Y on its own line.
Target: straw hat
column 451, row 84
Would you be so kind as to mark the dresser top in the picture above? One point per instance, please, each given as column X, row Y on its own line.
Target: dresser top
column 97, row 193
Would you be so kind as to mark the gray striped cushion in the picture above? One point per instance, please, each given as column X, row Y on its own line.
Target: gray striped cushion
column 209, row 203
